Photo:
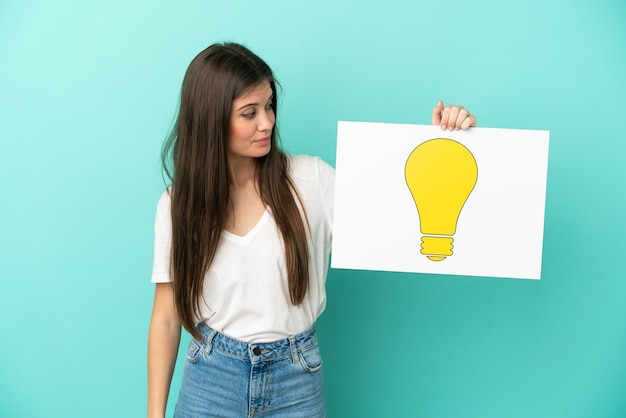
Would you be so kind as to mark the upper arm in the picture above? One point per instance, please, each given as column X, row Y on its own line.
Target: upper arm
column 327, row 188
column 162, row 240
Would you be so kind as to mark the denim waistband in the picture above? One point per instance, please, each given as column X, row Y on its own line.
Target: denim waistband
column 257, row 352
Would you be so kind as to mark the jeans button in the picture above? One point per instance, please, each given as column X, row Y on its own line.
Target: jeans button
column 256, row 351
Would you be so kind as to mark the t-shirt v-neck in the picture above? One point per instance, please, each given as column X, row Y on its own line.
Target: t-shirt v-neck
column 245, row 239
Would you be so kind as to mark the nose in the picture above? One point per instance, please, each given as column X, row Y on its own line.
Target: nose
column 266, row 121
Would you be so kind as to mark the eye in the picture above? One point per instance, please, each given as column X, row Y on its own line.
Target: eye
column 249, row 115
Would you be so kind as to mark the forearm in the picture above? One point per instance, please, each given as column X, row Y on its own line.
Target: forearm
column 163, row 343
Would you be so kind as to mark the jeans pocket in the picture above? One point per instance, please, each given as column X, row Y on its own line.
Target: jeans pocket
column 195, row 350
column 311, row 358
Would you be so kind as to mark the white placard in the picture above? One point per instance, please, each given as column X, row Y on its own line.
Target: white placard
column 378, row 224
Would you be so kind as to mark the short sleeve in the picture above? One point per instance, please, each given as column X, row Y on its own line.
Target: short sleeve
column 162, row 240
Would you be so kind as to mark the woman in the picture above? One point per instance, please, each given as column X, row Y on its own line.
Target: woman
column 242, row 242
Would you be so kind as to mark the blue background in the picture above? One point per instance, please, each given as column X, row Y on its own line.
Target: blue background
column 88, row 92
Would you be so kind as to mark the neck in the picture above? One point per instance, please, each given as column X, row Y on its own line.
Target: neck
column 243, row 171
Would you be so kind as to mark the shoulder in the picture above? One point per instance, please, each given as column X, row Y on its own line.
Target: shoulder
column 165, row 203
column 315, row 183
column 306, row 167
column 165, row 199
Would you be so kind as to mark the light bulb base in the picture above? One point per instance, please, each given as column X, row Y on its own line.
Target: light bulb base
column 437, row 248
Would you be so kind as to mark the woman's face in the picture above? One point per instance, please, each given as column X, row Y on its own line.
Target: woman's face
column 251, row 123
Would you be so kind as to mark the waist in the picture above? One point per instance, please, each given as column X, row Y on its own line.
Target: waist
column 258, row 351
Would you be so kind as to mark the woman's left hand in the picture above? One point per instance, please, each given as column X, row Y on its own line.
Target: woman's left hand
column 452, row 118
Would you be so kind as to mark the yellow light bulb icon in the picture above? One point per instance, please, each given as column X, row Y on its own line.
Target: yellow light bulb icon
column 441, row 174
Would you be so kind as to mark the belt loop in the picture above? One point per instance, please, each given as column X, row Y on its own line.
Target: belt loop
column 209, row 340
column 294, row 349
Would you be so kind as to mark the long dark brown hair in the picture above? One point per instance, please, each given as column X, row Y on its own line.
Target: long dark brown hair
column 195, row 160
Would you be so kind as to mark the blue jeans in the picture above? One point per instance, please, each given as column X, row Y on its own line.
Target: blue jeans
column 228, row 378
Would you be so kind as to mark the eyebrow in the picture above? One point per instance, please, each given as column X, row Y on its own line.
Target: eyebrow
column 254, row 104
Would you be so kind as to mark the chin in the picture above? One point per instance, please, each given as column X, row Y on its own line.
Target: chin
column 264, row 152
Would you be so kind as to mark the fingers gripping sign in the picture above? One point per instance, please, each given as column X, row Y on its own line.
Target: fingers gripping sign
column 452, row 117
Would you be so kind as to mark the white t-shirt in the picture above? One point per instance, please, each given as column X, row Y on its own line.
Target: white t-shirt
column 245, row 293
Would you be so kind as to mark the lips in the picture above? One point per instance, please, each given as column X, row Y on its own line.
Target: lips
column 262, row 141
